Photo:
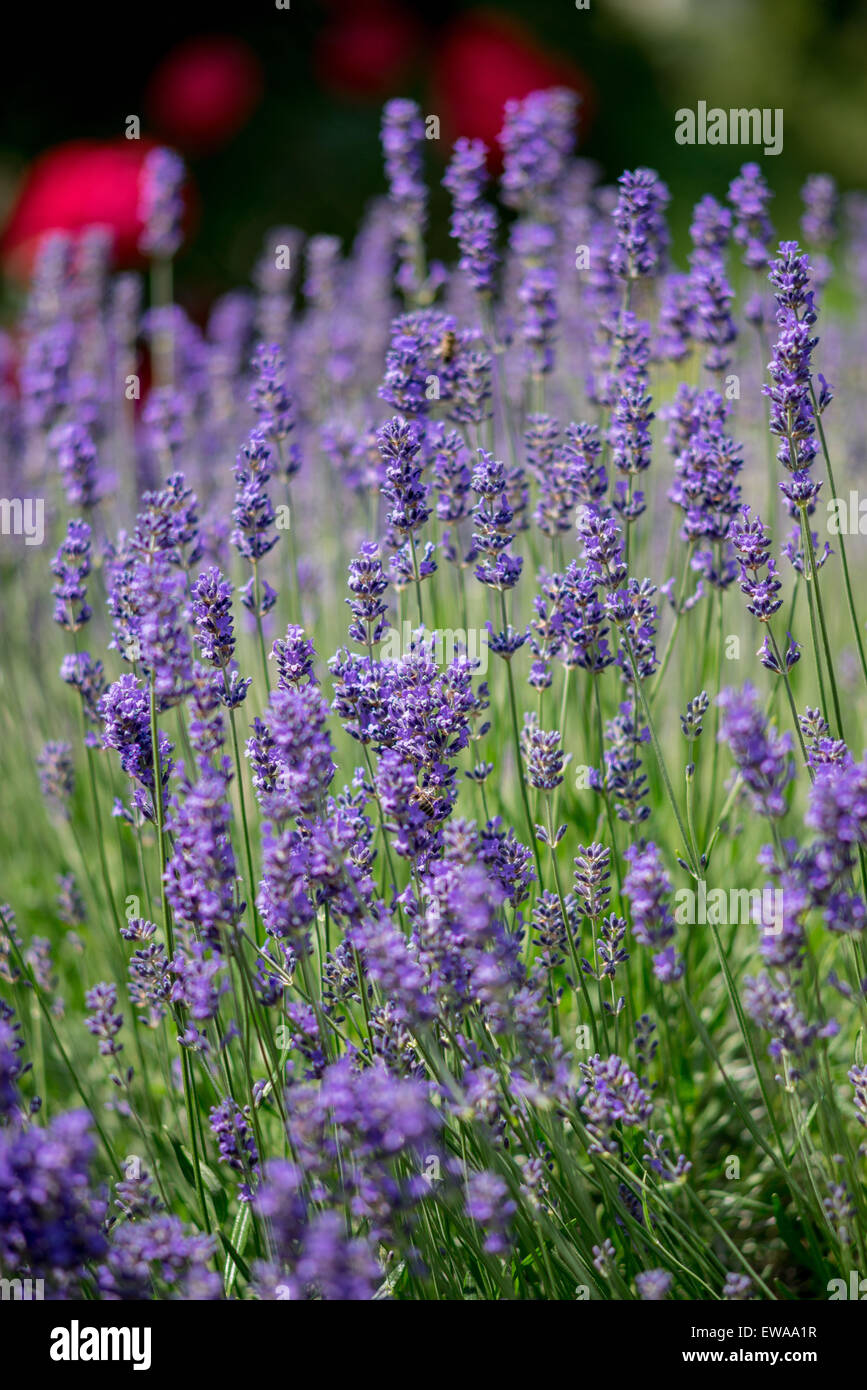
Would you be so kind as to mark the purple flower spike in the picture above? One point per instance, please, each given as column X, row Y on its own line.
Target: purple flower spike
column 648, row 887
column 639, row 218
column 750, row 197
column 761, row 755
column 77, row 462
column 71, row 565
column 161, row 206
column 537, row 139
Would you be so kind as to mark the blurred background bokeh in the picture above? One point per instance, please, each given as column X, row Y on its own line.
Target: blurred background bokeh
column 277, row 110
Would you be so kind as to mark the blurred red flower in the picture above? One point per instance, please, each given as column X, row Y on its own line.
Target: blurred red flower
column 485, row 60
column 204, row 91
column 76, row 185
column 367, row 48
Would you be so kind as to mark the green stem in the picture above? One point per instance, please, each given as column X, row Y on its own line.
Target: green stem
column 846, row 579
column 259, row 629
column 567, row 928
column 678, row 615
column 745, row 1032
column 59, row 1045
column 612, row 828
column 810, row 553
column 657, row 748
column 791, row 699
column 516, row 732
column 189, row 1083
column 260, row 935
column 159, row 814
column 417, row 579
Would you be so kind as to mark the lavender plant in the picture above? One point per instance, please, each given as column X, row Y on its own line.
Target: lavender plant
column 339, row 960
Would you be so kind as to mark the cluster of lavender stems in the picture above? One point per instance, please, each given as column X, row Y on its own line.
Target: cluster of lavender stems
column 410, row 732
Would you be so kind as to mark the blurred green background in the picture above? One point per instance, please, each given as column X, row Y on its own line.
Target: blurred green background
column 309, row 154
